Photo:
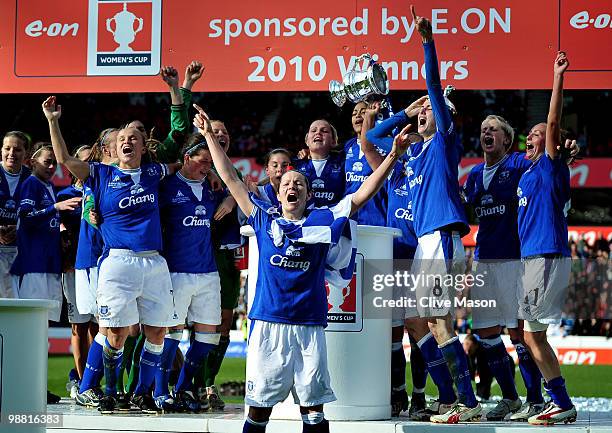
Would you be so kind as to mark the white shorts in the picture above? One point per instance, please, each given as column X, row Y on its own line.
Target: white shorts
column 68, row 283
column 437, row 261
column 40, row 286
column 197, row 297
column 134, row 288
column 499, row 281
column 7, row 257
column 545, row 288
column 284, row 358
column 86, row 283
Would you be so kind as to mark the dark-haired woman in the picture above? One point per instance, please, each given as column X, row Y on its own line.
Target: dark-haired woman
column 15, row 147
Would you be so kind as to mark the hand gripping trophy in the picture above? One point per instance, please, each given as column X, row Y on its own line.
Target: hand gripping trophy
column 124, row 33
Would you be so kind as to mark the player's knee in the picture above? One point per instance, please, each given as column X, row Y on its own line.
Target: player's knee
column 80, row 329
column 534, row 338
column 440, row 330
column 155, row 334
column 304, row 410
column 397, row 333
column 488, row 332
column 134, row 330
column 515, row 335
column 226, row 321
column 260, row 414
column 417, row 328
column 116, row 338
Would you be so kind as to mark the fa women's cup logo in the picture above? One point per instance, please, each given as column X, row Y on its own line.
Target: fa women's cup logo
column 124, row 37
column 124, row 32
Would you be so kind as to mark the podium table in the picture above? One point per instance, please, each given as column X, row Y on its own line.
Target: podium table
column 23, row 360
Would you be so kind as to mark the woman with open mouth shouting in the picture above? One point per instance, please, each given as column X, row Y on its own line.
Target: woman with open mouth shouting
column 133, row 282
column 290, row 308
column 543, row 200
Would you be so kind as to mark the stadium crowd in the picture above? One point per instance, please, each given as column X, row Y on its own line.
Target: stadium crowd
column 142, row 245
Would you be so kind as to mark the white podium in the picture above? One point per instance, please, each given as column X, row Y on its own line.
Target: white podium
column 23, row 360
column 358, row 337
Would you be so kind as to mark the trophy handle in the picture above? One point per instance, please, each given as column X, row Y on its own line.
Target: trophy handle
column 366, row 58
column 348, row 292
column 108, row 25
column 140, row 24
column 336, row 89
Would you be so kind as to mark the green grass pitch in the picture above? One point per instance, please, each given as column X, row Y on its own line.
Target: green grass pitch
column 582, row 380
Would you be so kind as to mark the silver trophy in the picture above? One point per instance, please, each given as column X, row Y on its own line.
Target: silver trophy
column 124, row 33
column 365, row 79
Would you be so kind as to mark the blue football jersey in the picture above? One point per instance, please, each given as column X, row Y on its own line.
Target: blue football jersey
column 187, row 208
column 543, row 200
column 399, row 213
column 91, row 245
column 38, row 230
column 357, row 170
column 128, row 204
column 10, row 185
column 432, row 168
column 290, row 280
column 329, row 183
column 496, row 206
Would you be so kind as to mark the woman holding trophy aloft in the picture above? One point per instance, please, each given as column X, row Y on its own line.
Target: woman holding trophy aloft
column 439, row 224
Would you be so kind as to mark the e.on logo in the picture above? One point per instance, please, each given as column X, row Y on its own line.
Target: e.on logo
column 577, row 357
column 37, row 28
column 583, row 20
column 124, row 37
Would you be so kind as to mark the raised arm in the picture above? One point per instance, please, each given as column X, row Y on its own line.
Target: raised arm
column 193, row 72
column 369, row 119
column 53, row 112
column 380, row 135
column 222, row 163
column 441, row 113
column 553, row 122
column 372, row 184
column 168, row 148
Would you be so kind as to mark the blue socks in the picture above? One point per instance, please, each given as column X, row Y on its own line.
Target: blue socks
column 194, row 358
column 94, row 366
column 150, row 360
column 418, row 368
column 112, row 360
column 500, row 364
column 452, row 350
column 398, row 367
column 530, row 372
column 557, row 391
column 162, row 375
column 437, row 368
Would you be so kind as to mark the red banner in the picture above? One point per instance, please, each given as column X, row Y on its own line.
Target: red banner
column 570, row 350
column 585, row 173
column 118, row 46
column 590, row 233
